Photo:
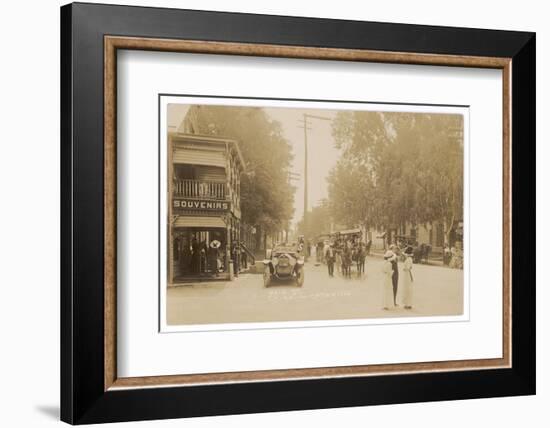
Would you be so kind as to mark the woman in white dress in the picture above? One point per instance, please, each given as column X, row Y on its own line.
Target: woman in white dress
column 407, row 279
column 387, row 286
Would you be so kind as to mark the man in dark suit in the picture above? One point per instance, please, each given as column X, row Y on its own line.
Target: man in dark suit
column 330, row 258
column 395, row 275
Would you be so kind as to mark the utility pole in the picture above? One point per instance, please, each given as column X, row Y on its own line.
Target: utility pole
column 305, row 173
column 306, row 127
column 291, row 176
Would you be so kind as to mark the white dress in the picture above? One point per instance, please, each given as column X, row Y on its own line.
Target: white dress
column 387, row 287
column 406, row 282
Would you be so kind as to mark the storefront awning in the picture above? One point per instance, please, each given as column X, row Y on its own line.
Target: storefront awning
column 197, row 221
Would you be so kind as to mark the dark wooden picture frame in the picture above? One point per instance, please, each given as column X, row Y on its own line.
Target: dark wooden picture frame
column 90, row 37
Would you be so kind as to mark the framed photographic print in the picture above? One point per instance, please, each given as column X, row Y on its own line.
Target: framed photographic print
column 265, row 213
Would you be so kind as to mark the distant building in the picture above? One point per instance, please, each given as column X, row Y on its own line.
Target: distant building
column 431, row 233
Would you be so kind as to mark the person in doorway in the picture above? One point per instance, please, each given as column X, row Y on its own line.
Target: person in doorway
column 185, row 256
column 204, row 257
column 213, row 256
column 195, row 256
column 407, row 281
column 387, row 272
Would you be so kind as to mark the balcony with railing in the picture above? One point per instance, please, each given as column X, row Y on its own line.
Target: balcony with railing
column 199, row 189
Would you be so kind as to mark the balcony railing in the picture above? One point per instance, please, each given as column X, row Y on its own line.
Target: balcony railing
column 200, row 189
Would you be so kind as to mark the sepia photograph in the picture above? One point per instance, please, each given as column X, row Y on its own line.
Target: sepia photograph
column 268, row 213
column 290, row 211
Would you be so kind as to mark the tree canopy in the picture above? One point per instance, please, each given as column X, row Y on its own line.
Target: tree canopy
column 266, row 195
column 397, row 168
column 318, row 221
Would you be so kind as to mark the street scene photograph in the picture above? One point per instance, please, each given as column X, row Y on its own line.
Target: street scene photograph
column 291, row 212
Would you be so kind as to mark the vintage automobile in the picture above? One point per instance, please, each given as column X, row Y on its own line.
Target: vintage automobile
column 284, row 262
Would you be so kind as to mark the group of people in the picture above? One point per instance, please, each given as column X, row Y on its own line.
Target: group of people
column 198, row 257
column 390, row 281
column 344, row 253
column 453, row 255
column 192, row 254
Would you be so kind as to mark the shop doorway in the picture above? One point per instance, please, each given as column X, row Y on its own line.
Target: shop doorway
column 199, row 253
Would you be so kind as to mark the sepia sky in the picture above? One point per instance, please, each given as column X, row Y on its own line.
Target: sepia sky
column 322, row 155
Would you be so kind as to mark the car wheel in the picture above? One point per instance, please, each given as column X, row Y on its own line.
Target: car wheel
column 300, row 278
column 267, row 276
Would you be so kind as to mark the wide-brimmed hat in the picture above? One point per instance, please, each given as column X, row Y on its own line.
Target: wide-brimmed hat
column 389, row 254
column 215, row 243
column 409, row 250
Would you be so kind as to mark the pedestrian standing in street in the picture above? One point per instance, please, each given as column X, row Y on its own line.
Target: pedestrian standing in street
column 446, row 254
column 387, row 272
column 319, row 251
column 338, row 255
column 235, row 256
column 367, row 249
column 361, row 255
column 395, row 275
column 326, row 245
column 330, row 258
column 346, row 262
column 244, row 256
column 407, row 281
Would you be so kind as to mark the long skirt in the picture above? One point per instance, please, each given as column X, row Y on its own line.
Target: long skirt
column 406, row 285
column 387, row 293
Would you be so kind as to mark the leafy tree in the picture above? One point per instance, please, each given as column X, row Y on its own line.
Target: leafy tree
column 352, row 192
column 318, row 221
column 397, row 168
column 266, row 195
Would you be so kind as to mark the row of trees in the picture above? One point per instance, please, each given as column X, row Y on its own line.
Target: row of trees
column 318, row 221
column 267, row 198
column 397, row 169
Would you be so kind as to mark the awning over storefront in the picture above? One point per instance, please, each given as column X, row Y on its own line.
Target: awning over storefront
column 202, row 222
